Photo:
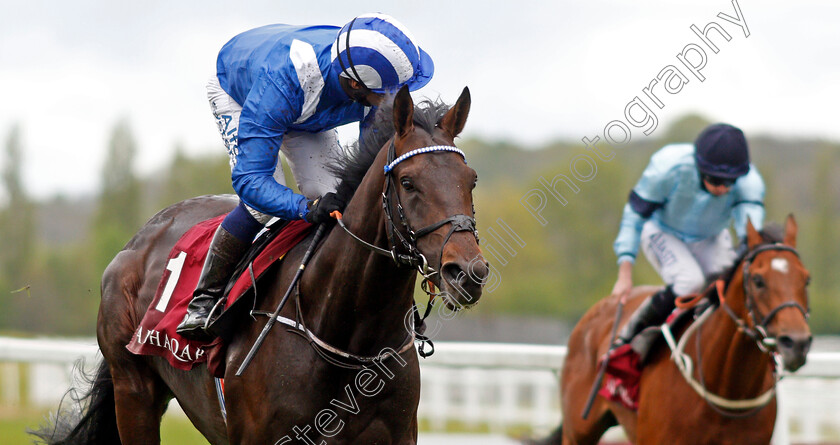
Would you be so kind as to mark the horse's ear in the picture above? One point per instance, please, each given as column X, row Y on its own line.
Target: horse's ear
column 455, row 119
column 403, row 112
column 790, row 231
column 753, row 237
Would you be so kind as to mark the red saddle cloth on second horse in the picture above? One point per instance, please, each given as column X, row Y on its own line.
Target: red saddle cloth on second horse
column 156, row 333
column 621, row 382
column 624, row 370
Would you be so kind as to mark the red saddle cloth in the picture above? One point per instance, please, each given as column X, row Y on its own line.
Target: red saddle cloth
column 621, row 382
column 624, row 370
column 155, row 335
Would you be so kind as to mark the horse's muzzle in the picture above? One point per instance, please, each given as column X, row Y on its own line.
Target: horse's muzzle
column 794, row 350
column 464, row 282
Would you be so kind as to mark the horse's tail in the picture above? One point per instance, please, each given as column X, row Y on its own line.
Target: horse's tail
column 91, row 418
column 556, row 438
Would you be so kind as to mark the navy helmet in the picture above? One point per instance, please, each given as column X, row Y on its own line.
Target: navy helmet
column 380, row 53
column 721, row 151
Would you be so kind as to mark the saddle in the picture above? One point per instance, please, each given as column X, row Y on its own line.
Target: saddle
column 624, row 370
column 645, row 341
column 155, row 335
column 221, row 325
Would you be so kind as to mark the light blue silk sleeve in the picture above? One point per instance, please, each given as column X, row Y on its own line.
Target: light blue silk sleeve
column 749, row 203
column 654, row 186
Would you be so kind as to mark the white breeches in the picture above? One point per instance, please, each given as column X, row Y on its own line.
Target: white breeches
column 686, row 266
column 307, row 154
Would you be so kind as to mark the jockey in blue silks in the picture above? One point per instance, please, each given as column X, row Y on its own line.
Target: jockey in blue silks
column 285, row 88
column 680, row 211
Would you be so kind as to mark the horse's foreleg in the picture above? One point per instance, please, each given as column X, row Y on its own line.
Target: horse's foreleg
column 627, row 418
column 588, row 433
column 140, row 398
column 575, row 429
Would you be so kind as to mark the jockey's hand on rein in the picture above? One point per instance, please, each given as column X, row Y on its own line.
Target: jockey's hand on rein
column 320, row 208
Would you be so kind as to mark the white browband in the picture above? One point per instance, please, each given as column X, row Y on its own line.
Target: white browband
column 418, row 151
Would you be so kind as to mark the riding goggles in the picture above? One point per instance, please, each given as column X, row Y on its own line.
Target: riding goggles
column 717, row 181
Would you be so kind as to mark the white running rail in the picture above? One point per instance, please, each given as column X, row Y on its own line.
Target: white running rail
column 492, row 387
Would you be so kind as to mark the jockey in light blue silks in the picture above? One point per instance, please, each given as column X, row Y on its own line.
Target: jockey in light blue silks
column 680, row 211
column 286, row 88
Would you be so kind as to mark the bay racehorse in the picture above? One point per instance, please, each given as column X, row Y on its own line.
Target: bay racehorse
column 726, row 395
column 361, row 383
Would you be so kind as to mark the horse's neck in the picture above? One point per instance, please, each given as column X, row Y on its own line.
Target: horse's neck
column 361, row 297
column 732, row 364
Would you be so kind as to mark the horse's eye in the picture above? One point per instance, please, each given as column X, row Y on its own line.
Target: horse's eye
column 406, row 184
column 758, row 281
column 808, row 280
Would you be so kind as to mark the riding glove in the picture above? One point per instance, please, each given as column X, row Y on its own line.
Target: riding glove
column 320, row 208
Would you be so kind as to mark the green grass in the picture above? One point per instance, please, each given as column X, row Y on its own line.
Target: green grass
column 174, row 430
column 13, row 430
column 179, row 430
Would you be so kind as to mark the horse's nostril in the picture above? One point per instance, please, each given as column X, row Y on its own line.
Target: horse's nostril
column 480, row 271
column 452, row 273
column 785, row 342
column 463, row 285
column 795, row 342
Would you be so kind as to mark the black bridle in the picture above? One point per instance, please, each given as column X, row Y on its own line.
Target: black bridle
column 758, row 330
column 402, row 248
column 396, row 239
column 460, row 222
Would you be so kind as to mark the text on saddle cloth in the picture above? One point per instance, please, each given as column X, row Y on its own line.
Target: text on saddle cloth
column 155, row 335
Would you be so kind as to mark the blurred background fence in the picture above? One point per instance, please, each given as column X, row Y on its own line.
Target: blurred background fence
column 492, row 388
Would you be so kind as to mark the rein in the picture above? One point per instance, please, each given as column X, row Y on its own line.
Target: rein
column 757, row 333
column 329, row 353
column 686, row 368
column 414, row 258
column 342, row 358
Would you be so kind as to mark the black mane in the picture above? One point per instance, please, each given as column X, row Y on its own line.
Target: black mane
column 358, row 157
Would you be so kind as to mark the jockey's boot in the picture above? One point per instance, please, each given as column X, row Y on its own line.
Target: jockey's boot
column 225, row 252
column 652, row 311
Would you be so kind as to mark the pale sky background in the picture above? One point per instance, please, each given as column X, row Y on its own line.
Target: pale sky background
column 538, row 71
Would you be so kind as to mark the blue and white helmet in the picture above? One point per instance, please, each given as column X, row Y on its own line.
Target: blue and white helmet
column 382, row 54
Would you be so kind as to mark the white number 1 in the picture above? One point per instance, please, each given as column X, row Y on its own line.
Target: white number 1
column 174, row 266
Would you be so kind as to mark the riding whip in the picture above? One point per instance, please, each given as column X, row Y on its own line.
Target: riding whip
column 598, row 380
column 319, row 233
